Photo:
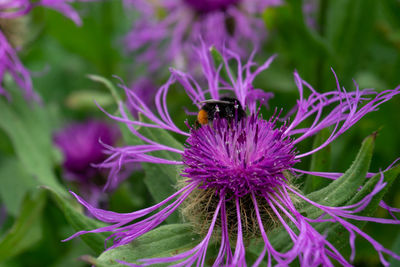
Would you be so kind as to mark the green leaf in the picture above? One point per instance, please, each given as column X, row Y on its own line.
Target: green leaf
column 219, row 61
column 70, row 256
column 389, row 177
column 335, row 194
column 164, row 241
column 79, row 222
column 343, row 188
column 320, row 161
column 216, row 56
column 109, row 85
column 28, row 127
column 26, row 230
column 129, row 137
column 337, row 235
column 161, row 179
column 16, row 182
column 85, row 99
column 123, row 199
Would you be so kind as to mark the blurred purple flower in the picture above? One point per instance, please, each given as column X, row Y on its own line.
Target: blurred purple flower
column 9, row 61
column 310, row 8
column 245, row 165
column 167, row 29
column 82, row 145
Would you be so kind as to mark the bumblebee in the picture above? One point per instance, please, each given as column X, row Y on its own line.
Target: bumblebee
column 227, row 107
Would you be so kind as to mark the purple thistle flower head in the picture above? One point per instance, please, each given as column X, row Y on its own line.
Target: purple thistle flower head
column 238, row 157
column 240, row 171
column 82, row 145
column 169, row 38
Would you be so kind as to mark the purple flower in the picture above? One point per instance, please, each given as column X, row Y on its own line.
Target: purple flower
column 233, row 167
column 310, row 8
column 167, row 29
column 82, row 145
column 9, row 61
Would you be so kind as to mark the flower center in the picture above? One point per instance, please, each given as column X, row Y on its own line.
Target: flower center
column 239, row 157
column 205, row 6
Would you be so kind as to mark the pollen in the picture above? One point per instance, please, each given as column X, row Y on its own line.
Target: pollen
column 202, row 117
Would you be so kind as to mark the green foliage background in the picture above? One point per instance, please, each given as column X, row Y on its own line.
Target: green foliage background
column 359, row 39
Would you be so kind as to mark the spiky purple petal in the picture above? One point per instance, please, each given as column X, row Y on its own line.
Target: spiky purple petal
column 9, row 61
column 248, row 157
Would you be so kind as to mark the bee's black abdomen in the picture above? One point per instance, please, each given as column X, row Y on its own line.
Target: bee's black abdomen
column 222, row 109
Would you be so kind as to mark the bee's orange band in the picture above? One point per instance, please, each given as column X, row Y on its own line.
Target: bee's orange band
column 202, row 117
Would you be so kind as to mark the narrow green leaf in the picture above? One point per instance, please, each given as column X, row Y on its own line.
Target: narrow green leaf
column 109, row 85
column 217, row 57
column 161, row 179
column 85, row 99
column 389, row 177
column 158, row 180
column 219, row 61
column 123, row 199
column 129, row 137
column 29, row 130
column 164, row 241
column 73, row 256
column 342, row 189
column 335, row 194
column 15, row 183
column 26, row 230
column 337, row 235
column 320, row 161
column 163, row 137
column 79, row 222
